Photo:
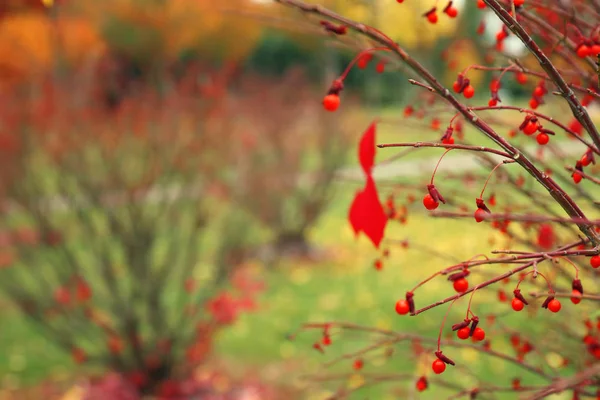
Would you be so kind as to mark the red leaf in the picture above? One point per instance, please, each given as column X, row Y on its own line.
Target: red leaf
column 375, row 218
column 366, row 149
column 367, row 214
column 356, row 214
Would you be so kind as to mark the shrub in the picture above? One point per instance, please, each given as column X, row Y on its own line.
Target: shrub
column 112, row 243
column 536, row 203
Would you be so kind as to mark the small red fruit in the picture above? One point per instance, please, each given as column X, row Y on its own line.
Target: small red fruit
column 463, row 333
column 430, row 203
column 331, row 102
column 456, row 87
column 542, row 139
column 380, row 67
column 577, row 177
column 583, row 51
column 521, row 78
column 479, row 214
column 595, row 261
column 358, row 364
column 326, row 340
column 554, row 306
column 575, row 296
column 451, row 11
column 469, row 92
column 449, row 140
column 533, row 103
column 421, row 384
column 438, row 366
column 378, row 264
column 461, row 285
column 478, row 335
column 480, row 4
column 493, row 103
column 530, row 128
column 432, row 17
column 538, row 91
column 517, row 304
column 519, row 3
column 402, row 307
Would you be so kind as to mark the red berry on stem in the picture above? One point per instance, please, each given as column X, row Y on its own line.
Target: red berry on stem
column 575, row 296
column 421, row 384
column 402, row 307
column 451, row 11
column 432, row 17
column 480, row 4
column 554, row 305
column 448, row 140
column 542, row 139
column 538, row 91
column 469, row 92
column 461, row 285
column 331, row 102
column 479, row 214
column 517, row 304
column 380, row 67
column 577, row 177
column 533, row 103
column 583, row 51
column 530, row 128
column 438, row 366
column 478, row 334
column 595, row 261
column 430, row 203
column 463, row 333
column 521, row 78
column 456, row 87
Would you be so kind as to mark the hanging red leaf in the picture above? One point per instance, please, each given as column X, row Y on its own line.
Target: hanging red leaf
column 367, row 214
column 356, row 209
column 375, row 218
column 366, row 149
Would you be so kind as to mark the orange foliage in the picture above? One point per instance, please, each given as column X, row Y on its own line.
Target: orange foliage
column 30, row 44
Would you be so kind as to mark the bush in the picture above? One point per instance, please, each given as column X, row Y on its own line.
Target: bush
column 112, row 243
column 538, row 206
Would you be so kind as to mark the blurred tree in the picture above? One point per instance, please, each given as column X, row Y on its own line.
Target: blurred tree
column 31, row 42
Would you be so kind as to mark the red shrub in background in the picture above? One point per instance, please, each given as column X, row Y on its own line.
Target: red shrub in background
column 542, row 213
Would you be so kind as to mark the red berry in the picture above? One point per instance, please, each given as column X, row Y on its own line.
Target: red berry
column 583, row 51
column 480, row 214
column 595, row 50
column 452, row 12
column 517, row 304
column 533, row 103
column 519, row 3
column 438, row 366
column 432, row 17
column 430, row 203
column 585, row 160
column 456, row 87
column 421, row 384
column 463, row 333
column 521, row 78
column 478, row 334
column 538, row 91
column 530, row 128
column 501, row 35
column 554, row 305
column 575, row 296
column 542, row 139
column 402, row 307
column 378, row 264
column 493, row 103
column 577, row 177
column 480, row 4
column 449, row 140
column 358, row 364
column 461, row 285
column 326, row 340
column 469, row 92
column 595, row 261
column 331, row 102
column 380, row 67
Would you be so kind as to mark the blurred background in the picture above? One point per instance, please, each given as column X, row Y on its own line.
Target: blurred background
column 174, row 197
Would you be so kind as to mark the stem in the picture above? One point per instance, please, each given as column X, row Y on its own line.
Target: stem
column 439, row 341
column 447, row 146
column 488, row 178
column 438, row 164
